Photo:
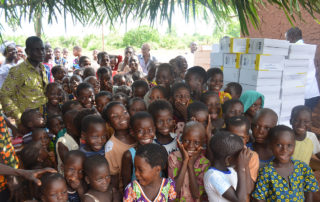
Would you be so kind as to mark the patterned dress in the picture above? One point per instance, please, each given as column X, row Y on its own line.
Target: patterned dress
column 271, row 186
column 134, row 192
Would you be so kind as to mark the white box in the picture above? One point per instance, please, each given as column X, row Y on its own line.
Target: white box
column 231, row 74
column 260, row 78
column 284, row 120
column 215, row 48
column 292, row 90
column 274, row 104
column 302, row 51
column 231, row 60
column 234, row 45
column 272, row 92
column 303, row 63
column 262, row 62
column 216, row 59
column 294, row 77
column 269, row 46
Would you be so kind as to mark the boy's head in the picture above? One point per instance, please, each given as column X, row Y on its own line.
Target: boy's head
column 215, row 79
column 301, row 119
column 53, row 188
column 85, row 95
column 103, row 59
column 117, row 115
column 49, row 52
column 226, row 147
column 164, row 75
column 193, row 137
column 121, row 97
column 264, row 120
column 32, row 118
column 139, row 88
column 143, row 128
column 97, row 173
column 71, row 105
column 105, row 78
column 89, row 71
column 77, row 50
column 54, row 93
column 212, row 100
column 180, row 94
column 157, row 93
column 231, row 108
column 66, row 84
column 234, row 89
column 84, row 61
column 73, row 168
column 75, row 80
column 77, row 121
column 40, row 134
column 162, row 113
column 93, row 81
column 102, row 99
column 33, row 154
column 119, row 80
column 58, row 72
column 93, row 129
column 195, row 78
column 135, row 105
column 68, row 119
column 198, row 111
column 239, row 125
column 133, row 63
column 55, row 124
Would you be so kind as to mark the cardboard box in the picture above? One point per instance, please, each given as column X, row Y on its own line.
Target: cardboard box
column 215, row 48
column 262, row 62
column 303, row 63
column 274, row 104
column 234, row 45
column 216, row 59
column 269, row 46
column 270, row 92
column 302, row 51
column 294, row 76
column 231, row 60
column 231, row 74
column 292, row 90
column 260, row 78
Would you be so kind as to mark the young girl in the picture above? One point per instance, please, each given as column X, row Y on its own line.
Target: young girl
column 97, row 176
column 85, row 95
column 58, row 72
column 211, row 99
column 102, row 99
column 188, row 165
column 215, row 83
column 252, row 101
column 150, row 186
column 180, row 100
column 162, row 113
column 93, row 81
column 195, row 79
column 221, row 181
column 136, row 105
column 143, row 129
column 53, row 188
column 105, row 78
column 284, row 179
column 54, row 93
column 75, row 80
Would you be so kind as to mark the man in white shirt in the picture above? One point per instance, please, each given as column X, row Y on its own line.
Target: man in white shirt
column 9, row 51
column 145, row 59
column 190, row 55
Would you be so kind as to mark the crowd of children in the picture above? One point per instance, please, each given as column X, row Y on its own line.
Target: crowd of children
column 173, row 135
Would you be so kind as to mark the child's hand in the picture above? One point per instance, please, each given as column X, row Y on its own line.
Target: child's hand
column 182, row 109
column 195, row 155
column 209, row 129
column 183, row 151
column 244, row 158
column 179, row 130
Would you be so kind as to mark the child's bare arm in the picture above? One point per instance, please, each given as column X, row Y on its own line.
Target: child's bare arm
column 126, row 168
column 256, row 200
column 180, row 177
column 194, row 186
column 62, row 150
column 308, row 196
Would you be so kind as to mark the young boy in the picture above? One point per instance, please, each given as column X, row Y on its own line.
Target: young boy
column 139, row 88
column 58, row 72
column 31, row 119
column 232, row 108
column 195, row 78
column 85, row 95
column 234, row 89
column 77, row 52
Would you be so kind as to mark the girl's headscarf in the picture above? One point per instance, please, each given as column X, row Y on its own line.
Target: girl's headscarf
column 249, row 97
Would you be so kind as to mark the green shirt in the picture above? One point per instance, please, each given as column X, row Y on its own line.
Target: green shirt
column 23, row 89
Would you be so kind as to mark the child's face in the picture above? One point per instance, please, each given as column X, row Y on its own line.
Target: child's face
column 59, row 75
column 104, row 61
column 49, row 54
column 261, row 128
column 56, row 191
column 120, row 82
column 71, row 129
column 55, row 95
column 201, row 117
column 119, row 117
column 301, row 123
column 214, row 106
column 235, row 110
column 85, row 63
column 113, row 62
column 232, row 92
column 137, row 106
column 139, row 92
column 57, row 53
column 65, row 85
column 133, row 64
column 192, row 139
column 86, row 98
column 65, row 53
column 164, row 122
column 164, row 78
column 182, row 96
column 74, row 83
column 99, row 180
column 194, row 82
column 156, row 94
column 43, row 137
column 283, row 147
column 73, row 171
column 95, row 83
column 56, row 125
column 101, row 102
column 241, row 131
column 215, row 83
column 144, row 172
column 144, row 131
column 254, row 108
column 96, row 136
column 105, row 81
column 38, row 120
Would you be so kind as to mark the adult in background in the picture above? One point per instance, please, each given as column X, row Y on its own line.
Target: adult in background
column 25, row 85
column 190, row 55
column 124, row 65
column 312, row 95
column 20, row 55
column 146, row 58
column 8, row 49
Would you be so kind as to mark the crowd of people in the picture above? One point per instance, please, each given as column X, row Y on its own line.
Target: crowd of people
column 133, row 129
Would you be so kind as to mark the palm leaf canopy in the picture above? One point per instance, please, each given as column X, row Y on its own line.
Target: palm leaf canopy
column 102, row 11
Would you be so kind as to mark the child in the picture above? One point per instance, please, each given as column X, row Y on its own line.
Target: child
column 87, row 72
column 34, row 156
column 121, row 97
column 164, row 76
column 180, row 67
column 71, row 105
column 139, row 88
column 97, row 176
column 54, row 124
column 234, row 89
column 92, row 80
column 118, row 117
column 73, row 173
column 105, row 78
column 85, row 95
column 84, row 62
column 54, row 93
column 93, row 130
column 143, row 130
column 232, row 108
column 221, row 181
column 156, row 93
column 103, row 59
column 150, row 186
column 123, row 90
column 75, row 80
column 31, row 119
column 58, row 72
column 240, row 125
column 215, row 83
column 211, row 99
column 162, row 114
column 135, row 105
column 252, row 101
column 195, row 78
column 180, row 100
column 284, row 179
column 188, row 165
column 307, row 143
column 134, row 68
column 198, row 111
column 102, row 99
column 66, row 85
column 53, row 188
column 264, row 120
column 119, row 80
column 77, row 52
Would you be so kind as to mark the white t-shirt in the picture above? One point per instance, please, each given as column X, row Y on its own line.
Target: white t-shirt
column 170, row 147
column 315, row 142
column 217, row 182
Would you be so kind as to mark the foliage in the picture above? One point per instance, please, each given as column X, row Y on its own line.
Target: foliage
column 140, row 35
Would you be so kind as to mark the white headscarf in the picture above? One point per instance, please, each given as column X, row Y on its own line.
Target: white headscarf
column 5, row 45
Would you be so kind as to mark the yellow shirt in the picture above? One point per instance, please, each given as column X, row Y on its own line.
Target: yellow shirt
column 23, row 89
column 303, row 150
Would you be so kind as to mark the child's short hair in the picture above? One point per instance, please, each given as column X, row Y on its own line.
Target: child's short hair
column 77, row 121
column 50, row 118
column 48, row 178
column 120, row 95
column 27, row 116
column 68, row 105
column 161, row 89
column 93, row 162
column 193, row 124
column 140, row 83
column 195, row 107
column 104, row 93
column 153, row 154
column 205, row 96
column 138, row 116
column 165, row 66
column 236, row 86
column 101, row 54
column 136, row 99
column 237, row 121
column 76, row 76
column 30, row 153
column 213, row 71
column 82, row 86
column 263, row 112
column 78, row 48
column 224, row 144
column 89, row 71
column 275, row 131
column 103, row 70
column 198, row 71
column 74, row 153
column 227, row 104
column 123, row 90
column 297, row 109
column 159, row 105
column 52, row 85
column 90, row 119
column 56, row 68
column 178, row 86
column 108, row 107
column 118, row 77
column 82, row 59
